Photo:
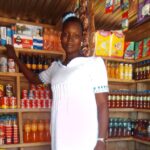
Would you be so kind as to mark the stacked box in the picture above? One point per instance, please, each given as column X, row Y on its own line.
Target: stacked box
column 146, row 47
column 129, row 50
column 102, row 43
column 23, row 37
column 138, row 49
column 117, row 44
column 3, row 36
column 37, row 37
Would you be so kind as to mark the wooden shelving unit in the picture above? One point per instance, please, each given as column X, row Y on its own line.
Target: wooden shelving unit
column 18, row 81
column 23, row 145
column 121, row 81
column 120, row 139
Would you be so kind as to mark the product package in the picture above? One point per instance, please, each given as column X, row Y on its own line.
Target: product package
column 129, row 50
column 146, row 47
column 117, row 44
column 37, row 33
column 102, row 43
column 138, row 49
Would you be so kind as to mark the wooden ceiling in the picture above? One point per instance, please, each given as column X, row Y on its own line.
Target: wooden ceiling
column 50, row 12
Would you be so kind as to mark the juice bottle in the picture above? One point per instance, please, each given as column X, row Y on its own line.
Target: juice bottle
column 130, row 72
column 34, row 131
column 112, row 71
column 108, row 70
column 41, row 134
column 126, row 71
column 121, row 71
column 27, row 132
column 47, row 130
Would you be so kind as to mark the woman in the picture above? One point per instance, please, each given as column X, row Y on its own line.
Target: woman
column 79, row 85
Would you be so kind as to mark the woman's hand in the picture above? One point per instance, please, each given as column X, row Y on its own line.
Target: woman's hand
column 10, row 51
column 100, row 146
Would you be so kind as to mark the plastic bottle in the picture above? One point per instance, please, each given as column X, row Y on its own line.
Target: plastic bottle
column 34, row 131
column 47, row 130
column 27, row 132
column 41, row 134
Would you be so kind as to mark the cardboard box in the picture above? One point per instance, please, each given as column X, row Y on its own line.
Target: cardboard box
column 22, row 41
column 117, row 44
column 129, row 50
column 146, row 47
column 102, row 43
column 138, row 49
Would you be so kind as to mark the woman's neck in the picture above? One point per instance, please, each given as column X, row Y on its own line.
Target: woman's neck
column 70, row 57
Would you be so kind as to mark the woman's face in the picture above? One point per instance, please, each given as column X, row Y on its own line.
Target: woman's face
column 71, row 38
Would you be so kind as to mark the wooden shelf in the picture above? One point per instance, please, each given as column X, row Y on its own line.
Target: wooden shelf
column 27, row 50
column 143, row 110
column 9, row 74
column 121, row 110
column 143, row 81
column 119, row 60
column 142, row 59
column 120, row 139
column 141, row 141
column 25, row 145
column 121, row 81
column 36, row 110
column 9, row 21
column 9, row 110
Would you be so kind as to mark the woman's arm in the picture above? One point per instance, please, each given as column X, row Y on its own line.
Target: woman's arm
column 103, row 117
column 32, row 77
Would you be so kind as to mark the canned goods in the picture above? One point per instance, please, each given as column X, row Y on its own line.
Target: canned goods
column 11, row 65
column 1, row 90
column 4, row 102
column 24, row 94
column 3, row 64
column 12, row 102
column 9, row 90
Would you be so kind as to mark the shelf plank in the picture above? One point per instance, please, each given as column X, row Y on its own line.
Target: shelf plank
column 36, row 110
column 9, row 110
column 52, row 52
column 142, row 59
column 25, row 145
column 143, row 81
column 141, row 141
column 118, row 59
column 143, row 110
column 121, row 81
column 9, row 21
column 121, row 110
column 9, row 74
column 120, row 139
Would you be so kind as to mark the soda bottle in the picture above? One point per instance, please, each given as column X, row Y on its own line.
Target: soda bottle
column 47, row 130
column 34, row 131
column 27, row 132
column 41, row 133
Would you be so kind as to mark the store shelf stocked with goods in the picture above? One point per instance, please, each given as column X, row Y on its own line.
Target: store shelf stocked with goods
column 128, row 78
column 31, row 104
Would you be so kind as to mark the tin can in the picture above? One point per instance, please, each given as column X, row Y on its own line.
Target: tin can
column 4, row 102
column 3, row 64
column 9, row 90
column 12, row 102
column 11, row 65
column 23, row 103
column 1, row 90
column 24, row 93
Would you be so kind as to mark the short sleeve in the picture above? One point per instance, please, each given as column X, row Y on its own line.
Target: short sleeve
column 45, row 76
column 99, row 75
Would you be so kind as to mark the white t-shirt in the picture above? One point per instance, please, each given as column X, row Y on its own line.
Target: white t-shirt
column 74, row 110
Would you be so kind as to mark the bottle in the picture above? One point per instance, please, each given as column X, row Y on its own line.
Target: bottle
column 27, row 131
column 45, row 63
column 47, row 130
column 34, row 131
column 28, row 61
column 148, row 130
column 15, row 130
column 130, row 75
column 34, row 64
column 2, row 130
column 40, row 64
column 40, row 128
column 121, row 71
